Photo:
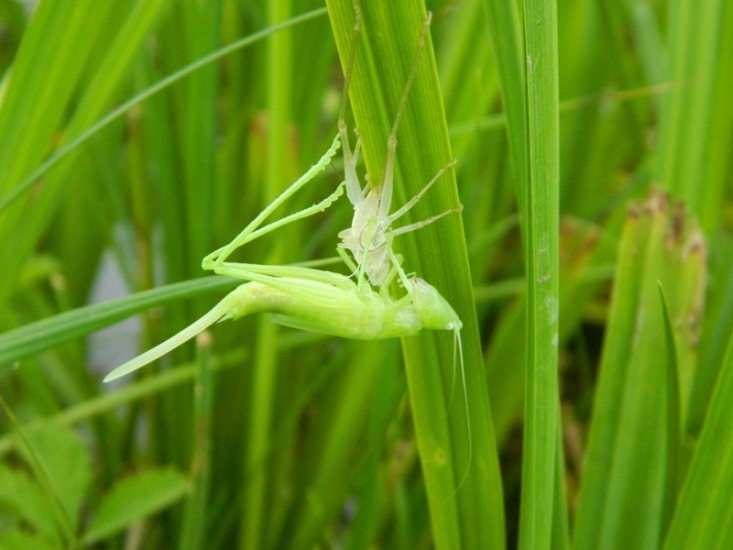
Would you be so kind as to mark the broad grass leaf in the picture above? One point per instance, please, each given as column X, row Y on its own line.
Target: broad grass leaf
column 135, row 498
column 65, row 462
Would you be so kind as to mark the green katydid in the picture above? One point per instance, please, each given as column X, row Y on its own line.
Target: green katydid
column 369, row 239
column 311, row 299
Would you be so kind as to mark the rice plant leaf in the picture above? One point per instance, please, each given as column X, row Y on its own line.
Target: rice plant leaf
column 717, row 325
column 703, row 514
column 674, row 444
column 465, row 513
column 24, row 496
column 197, row 125
column 47, row 333
column 507, row 35
column 17, row 539
column 342, row 425
column 541, row 252
column 687, row 113
column 634, row 451
column 96, row 97
column 612, row 379
column 65, row 461
column 118, row 112
column 45, row 72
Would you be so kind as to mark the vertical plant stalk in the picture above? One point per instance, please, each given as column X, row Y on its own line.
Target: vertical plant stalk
column 541, row 252
column 195, row 523
column 508, row 44
column 279, row 57
column 459, row 462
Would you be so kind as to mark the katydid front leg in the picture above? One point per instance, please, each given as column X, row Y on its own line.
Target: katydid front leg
column 253, row 230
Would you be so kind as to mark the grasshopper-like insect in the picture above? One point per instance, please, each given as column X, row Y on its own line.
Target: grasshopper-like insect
column 369, row 239
column 311, row 299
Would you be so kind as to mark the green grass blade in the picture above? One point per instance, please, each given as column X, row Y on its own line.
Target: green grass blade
column 613, row 372
column 464, row 51
column 343, row 423
column 47, row 333
column 541, row 256
column 509, row 45
column 715, row 165
column 633, row 450
column 279, row 75
column 717, row 324
column 687, row 112
column 469, row 515
column 674, row 444
column 47, row 68
column 195, row 520
column 703, row 518
column 65, row 522
column 44, row 73
column 197, row 122
column 129, row 394
column 117, row 113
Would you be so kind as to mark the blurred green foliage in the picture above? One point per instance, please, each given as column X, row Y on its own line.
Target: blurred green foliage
column 265, row 437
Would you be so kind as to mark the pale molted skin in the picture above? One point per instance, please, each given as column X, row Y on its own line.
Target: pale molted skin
column 369, row 239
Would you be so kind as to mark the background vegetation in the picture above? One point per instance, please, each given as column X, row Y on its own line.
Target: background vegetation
column 594, row 142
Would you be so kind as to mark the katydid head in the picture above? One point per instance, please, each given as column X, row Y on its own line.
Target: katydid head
column 434, row 311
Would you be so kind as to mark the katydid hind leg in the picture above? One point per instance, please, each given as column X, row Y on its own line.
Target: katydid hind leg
column 245, row 271
column 322, row 289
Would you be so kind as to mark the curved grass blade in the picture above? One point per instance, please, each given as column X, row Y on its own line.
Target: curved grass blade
column 703, row 515
column 47, row 333
column 117, row 113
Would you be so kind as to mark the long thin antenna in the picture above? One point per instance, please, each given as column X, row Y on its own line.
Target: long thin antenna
column 353, row 188
column 386, row 182
column 350, row 62
column 411, row 77
column 457, row 341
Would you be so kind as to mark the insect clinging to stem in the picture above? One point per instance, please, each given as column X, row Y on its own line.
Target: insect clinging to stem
column 310, row 299
column 370, row 237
